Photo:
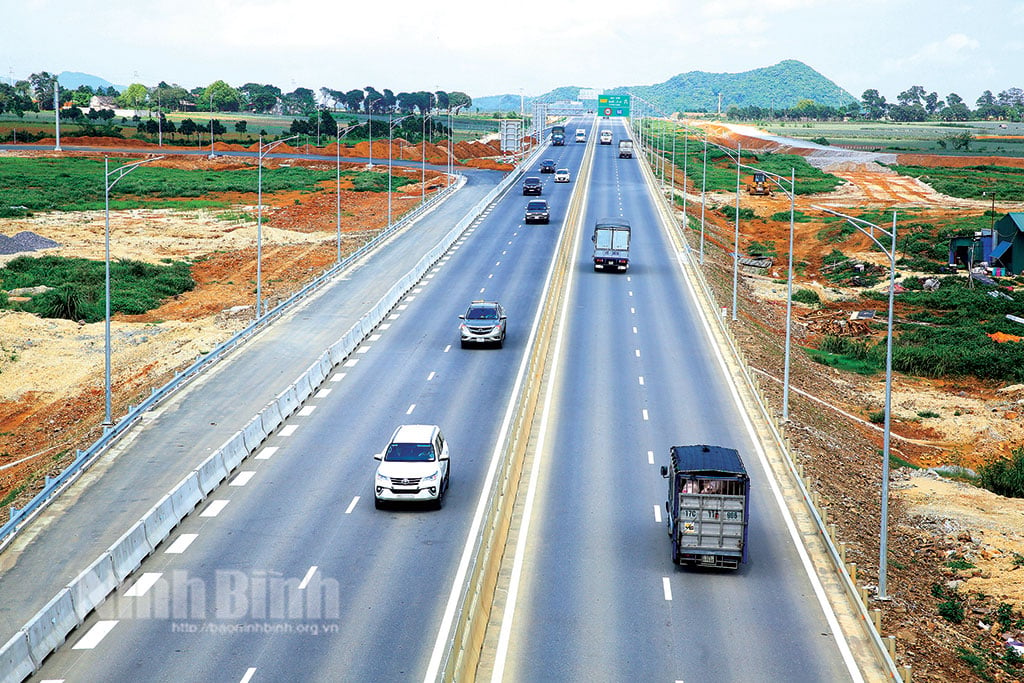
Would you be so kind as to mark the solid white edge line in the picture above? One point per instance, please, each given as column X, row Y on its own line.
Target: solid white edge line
column 448, row 620
column 351, row 506
column 819, row 590
column 505, row 634
column 307, row 578
column 97, row 633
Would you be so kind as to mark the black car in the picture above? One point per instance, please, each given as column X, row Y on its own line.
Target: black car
column 547, row 166
column 532, row 185
column 537, row 212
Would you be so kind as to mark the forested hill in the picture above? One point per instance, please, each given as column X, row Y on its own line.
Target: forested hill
column 780, row 86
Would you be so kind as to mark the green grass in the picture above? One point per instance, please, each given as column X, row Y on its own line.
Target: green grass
column 77, row 286
column 77, row 184
column 970, row 182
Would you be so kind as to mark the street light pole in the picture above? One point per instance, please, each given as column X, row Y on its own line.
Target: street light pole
column 119, row 172
column 263, row 151
column 703, row 192
column 736, row 239
column 883, row 543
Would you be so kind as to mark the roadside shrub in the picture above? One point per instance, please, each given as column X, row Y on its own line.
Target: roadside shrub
column 952, row 610
column 927, row 414
column 730, row 212
column 807, row 296
column 65, row 301
column 1005, row 477
column 877, row 417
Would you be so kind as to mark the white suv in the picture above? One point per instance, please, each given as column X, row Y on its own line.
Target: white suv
column 414, row 467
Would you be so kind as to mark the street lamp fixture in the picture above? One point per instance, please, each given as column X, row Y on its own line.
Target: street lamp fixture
column 116, row 174
column 263, row 151
column 391, row 128
column 869, row 229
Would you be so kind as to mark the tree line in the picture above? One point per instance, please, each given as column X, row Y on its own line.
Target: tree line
column 913, row 104
column 36, row 94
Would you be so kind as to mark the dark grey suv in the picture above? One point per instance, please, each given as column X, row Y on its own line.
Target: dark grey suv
column 537, row 212
column 483, row 323
column 532, row 185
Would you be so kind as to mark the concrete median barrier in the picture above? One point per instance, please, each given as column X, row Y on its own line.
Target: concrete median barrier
column 90, row 588
column 15, row 659
column 50, row 626
column 185, row 496
column 287, row 403
column 271, row 417
column 128, row 552
column 256, row 431
column 212, row 471
column 159, row 521
column 303, row 387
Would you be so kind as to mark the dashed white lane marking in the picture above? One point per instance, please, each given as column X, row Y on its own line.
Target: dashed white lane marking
column 181, row 544
column 363, row 349
column 411, row 297
column 351, row 506
column 632, row 310
column 666, row 587
column 267, row 453
column 214, row 508
column 142, row 586
column 383, row 326
column 629, row 278
column 498, row 263
column 249, row 673
column 490, row 276
column 504, row 252
column 351, row 362
column 417, row 290
column 307, row 578
column 646, row 418
column 243, row 478
column 641, row 380
column 657, row 514
column 338, row 376
column 447, row 348
column 634, row 330
column 322, row 393
column 306, row 411
column 402, row 307
column 374, row 337
column 481, row 290
column 637, row 352
column 631, row 292
column 411, row 408
column 288, row 430
column 95, row 635
column 394, row 316
column 650, row 457
column 431, row 376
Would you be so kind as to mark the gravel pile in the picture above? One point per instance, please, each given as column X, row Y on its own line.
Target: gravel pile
column 24, row 241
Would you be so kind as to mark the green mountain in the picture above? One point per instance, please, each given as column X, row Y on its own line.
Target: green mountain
column 780, row 86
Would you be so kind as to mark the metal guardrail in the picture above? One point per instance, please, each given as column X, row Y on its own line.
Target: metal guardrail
column 84, row 458
column 825, row 531
column 24, row 653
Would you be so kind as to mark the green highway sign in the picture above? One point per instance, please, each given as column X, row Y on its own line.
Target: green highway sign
column 613, row 105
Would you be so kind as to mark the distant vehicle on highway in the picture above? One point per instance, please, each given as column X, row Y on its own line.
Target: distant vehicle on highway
column 414, row 467
column 532, row 185
column 606, row 137
column 547, row 166
column 562, row 175
column 611, row 244
column 483, row 323
column 581, row 135
column 625, row 149
column 537, row 212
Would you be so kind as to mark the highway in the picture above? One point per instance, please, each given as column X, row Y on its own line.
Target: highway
column 363, row 590
column 287, row 572
column 595, row 592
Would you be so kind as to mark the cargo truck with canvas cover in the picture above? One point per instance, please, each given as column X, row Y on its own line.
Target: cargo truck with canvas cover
column 708, row 506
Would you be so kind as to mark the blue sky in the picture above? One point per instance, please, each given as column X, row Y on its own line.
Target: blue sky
column 487, row 48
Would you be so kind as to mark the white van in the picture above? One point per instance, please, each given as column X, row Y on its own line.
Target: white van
column 581, row 135
column 606, row 137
